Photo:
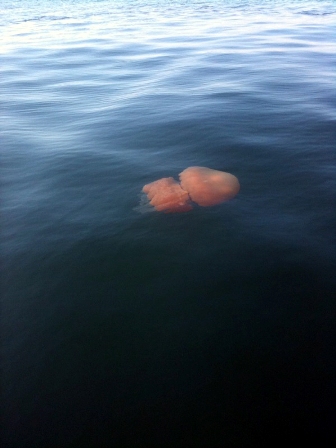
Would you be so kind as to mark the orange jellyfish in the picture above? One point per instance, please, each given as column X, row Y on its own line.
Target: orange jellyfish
column 202, row 185
column 209, row 187
column 166, row 195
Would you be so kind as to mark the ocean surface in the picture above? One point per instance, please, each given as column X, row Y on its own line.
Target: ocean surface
column 123, row 327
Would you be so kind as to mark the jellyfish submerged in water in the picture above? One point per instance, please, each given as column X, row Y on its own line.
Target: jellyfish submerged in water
column 202, row 185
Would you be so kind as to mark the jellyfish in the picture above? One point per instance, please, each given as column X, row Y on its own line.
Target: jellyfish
column 166, row 195
column 204, row 186
column 208, row 187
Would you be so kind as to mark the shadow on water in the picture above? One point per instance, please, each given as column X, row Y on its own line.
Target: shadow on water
column 133, row 345
column 269, row 374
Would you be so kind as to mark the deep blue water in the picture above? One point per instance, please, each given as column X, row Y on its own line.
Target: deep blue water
column 209, row 328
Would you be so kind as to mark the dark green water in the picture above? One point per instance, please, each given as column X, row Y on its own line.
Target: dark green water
column 210, row 328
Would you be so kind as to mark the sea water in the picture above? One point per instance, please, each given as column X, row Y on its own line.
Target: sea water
column 208, row 328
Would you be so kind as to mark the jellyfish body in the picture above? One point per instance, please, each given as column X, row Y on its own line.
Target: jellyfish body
column 166, row 195
column 209, row 187
column 204, row 186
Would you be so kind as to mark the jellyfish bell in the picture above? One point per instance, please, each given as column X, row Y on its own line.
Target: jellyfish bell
column 209, row 187
column 166, row 195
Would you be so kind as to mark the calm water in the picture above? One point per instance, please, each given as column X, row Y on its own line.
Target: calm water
column 210, row 328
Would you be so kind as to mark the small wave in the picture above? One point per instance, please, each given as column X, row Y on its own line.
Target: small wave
column 314, row 12
column 51, row 18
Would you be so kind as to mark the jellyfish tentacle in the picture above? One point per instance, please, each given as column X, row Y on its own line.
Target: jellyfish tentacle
column 167, row 195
